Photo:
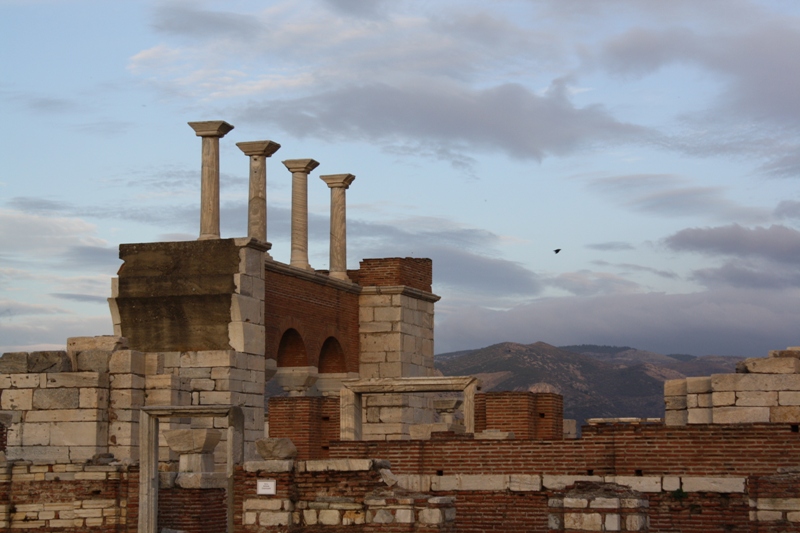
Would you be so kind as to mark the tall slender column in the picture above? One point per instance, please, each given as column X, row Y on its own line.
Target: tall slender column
column 211, row 131
column 338, row 184
column 258, row 151
column 300, row 169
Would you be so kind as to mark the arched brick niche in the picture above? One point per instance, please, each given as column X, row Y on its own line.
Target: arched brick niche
column 292, row 350
column 331, row 357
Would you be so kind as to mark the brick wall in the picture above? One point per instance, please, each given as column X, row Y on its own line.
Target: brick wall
column 528, row 415
column 392, row 271
column 618, row 450
column 311, row 422
column 192, row 510
column 316, row 311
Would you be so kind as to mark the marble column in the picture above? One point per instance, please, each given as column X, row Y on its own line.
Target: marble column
column 338, row 184
column 211, row 131
column 300, row 169
column 258, row 151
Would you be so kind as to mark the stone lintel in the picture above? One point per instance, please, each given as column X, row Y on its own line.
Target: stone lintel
column 300, row 165
column 338, row 180
column 405, row 290
column 211, row 128
column 262, row 148
column 420, row 384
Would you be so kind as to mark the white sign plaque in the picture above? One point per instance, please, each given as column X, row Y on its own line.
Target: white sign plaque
column 266, row 486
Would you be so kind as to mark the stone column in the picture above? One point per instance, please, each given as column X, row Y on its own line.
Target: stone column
column 300, row 169
column 257, row 204
column 211, row 131
column 338, row 184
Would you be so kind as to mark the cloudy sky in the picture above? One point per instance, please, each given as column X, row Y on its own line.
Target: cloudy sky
column 656, row 143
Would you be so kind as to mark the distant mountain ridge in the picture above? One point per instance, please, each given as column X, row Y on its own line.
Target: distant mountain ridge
column 596, row 381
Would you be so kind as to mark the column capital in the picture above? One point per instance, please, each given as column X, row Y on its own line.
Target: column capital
column 263, row 148
column 338, row 180
column 300, row 165
column 211, row 128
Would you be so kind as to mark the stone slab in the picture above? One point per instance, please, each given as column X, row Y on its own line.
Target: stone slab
column 713, row 484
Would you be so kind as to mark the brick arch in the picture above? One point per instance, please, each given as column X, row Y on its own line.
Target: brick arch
column 292, row 350
column 331, row 357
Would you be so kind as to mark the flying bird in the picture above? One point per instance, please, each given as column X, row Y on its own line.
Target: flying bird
column 557, row 250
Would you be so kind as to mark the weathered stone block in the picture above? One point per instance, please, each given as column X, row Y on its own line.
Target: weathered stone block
column 676, row 418
column 276, row 448
column 246, row 337
column 740, row 415
column 56, row 398
column 246, row 309
column 77, row 379
column 108, row 343
column 559, row 482
column 431, row 516
column 17, row 399
column 699, row 416
column 670, row 483
column 757, row 398
column 26, row 381
column 583, row 521
column 756, row 382
column 698, row 385
column 786, row 414
column 639, row 483
column 713, row 484
column 674, row 402
column 329, row 517
column 772, row 365
column 127, row 362
column 14, row 363
column 723, row 399
column 78, row 433
column 275, row 518
column 93, row 361
column 36, row 434
column 192, row 441
column 51, row 361
column 778, row 504
column 164, row 381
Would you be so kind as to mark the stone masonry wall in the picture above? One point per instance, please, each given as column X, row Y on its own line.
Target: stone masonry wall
column 762, row 390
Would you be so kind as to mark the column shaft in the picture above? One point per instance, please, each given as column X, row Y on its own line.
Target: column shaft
column 299, row 257
column 258, row 151
column 257, row 203
column 211, row 131
column 300, row 169
column 338, row 184
column 209, row 189
column 338, row 251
